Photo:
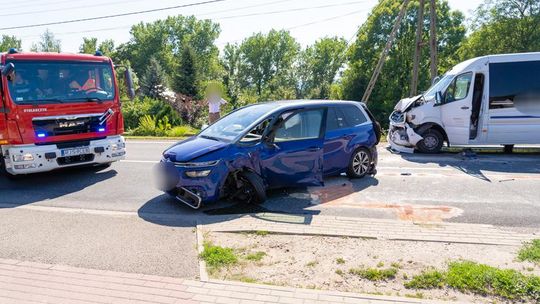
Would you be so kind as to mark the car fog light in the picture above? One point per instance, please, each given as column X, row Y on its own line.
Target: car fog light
column 25, row 166
column 201, row 173
column 23, row 157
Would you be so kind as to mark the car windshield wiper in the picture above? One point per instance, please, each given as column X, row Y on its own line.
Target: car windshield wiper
column 210, row 137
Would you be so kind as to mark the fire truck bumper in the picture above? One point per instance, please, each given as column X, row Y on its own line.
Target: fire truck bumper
column 24, row 159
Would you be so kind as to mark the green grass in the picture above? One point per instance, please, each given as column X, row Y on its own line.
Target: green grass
column 217, row 257
column 340, row 261
column 340, row 272
column 375, row 274
column 417, row 295
column 243, row 278
column 312, row 264
column 261, row 233
column 429, row 279
column 256, row 257
column 481, row 279
column 380, row 265
column 530, row 252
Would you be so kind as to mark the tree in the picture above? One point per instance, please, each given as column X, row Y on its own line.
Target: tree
column 318, row 65
column 7, row 42
column 393, row 84
column 266, row 61
column 89, row 46
column 106, row 47
column 48, row 43
column 231, row 64
column 186, row 78
column 154, row 80
column 503, row 26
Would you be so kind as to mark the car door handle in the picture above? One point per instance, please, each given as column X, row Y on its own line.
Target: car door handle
column 464, row 108
column 313, row 149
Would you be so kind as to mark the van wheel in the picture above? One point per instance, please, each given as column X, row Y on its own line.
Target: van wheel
column 360, row 163
column 252, row 189
column 432, row 142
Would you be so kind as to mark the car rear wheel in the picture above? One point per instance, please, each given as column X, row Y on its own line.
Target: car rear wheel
column 431, row 142
column 360, row 163
column 252, row 189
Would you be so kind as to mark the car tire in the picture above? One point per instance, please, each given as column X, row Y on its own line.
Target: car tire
column 360, row 163
column 431, row 142
column 254, row 191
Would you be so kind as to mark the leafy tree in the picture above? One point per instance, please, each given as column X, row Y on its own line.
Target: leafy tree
column 186, row 79
column 154, row 80
column 394, row 81
column 89, row 46
column 266, row 61
column 318, row 65
column 7, row 42
column 231, row 64
column 504, row 26
column 107, row 47
column 48, row 43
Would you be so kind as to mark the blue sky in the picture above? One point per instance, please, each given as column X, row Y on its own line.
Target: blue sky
column 306, row 25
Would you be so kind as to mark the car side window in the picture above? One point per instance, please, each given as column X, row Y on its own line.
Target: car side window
column 298, row 126
column 353, row 115
column 255, row 134
column 335, row 119
column 459, row 88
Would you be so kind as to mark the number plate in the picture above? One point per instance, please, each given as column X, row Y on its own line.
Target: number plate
column 75, row 151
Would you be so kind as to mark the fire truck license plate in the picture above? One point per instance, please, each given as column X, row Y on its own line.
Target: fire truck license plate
column 75, row 151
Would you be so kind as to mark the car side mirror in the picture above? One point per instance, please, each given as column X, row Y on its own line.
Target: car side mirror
column 438, row 97
column 129, row 84
column 8, row 70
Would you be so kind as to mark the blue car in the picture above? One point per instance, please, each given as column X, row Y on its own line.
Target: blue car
column 271, row 145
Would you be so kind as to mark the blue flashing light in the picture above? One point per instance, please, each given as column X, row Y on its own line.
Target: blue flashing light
column 101, row 130
column 41, row 135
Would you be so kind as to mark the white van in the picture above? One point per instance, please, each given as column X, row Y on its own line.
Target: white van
column 490, row 100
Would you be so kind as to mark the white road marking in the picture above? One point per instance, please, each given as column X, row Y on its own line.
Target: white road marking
column 139, row 161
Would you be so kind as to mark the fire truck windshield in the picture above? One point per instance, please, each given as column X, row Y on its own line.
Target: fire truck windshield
column 43, row 82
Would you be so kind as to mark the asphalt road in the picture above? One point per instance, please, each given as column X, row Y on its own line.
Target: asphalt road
column 115, row 219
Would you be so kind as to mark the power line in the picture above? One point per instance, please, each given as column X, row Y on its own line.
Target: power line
column 289, row 10
column 112, row 16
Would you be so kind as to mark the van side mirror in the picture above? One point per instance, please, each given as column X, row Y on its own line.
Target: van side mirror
column 8, row 70
column 435, row 80
column 129, row 84
column 438, row 97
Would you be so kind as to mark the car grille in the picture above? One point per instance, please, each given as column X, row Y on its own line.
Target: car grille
column 397, row 117
column 65, row 126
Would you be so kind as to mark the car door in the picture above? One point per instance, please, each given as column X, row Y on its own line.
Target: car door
column 293, row 153
column 336, row 138
column 456, row 109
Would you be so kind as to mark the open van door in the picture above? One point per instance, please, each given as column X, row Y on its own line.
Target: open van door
column 456, row 109
column 293, row 152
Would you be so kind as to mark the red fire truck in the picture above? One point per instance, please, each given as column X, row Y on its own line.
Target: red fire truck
column 59, row 110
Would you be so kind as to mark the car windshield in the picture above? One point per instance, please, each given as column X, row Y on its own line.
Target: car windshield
column 233, row 125
column 438, row 86
column 42, row 82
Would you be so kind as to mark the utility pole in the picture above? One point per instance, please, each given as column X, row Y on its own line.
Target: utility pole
column 418, row 48
column 384, row 53
column 433, row 39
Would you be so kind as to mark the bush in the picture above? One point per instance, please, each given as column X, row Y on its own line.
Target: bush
column 530, row 252
column 182, row 131
column 135, row 110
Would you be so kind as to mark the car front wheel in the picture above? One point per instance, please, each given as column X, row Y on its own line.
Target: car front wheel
column 360, row 163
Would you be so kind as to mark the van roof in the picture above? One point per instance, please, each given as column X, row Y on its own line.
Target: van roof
column 497, row 58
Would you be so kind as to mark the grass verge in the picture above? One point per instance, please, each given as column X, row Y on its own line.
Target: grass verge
column 375, row 274
column 530, row 252
column 217, row 256
column 481, row 279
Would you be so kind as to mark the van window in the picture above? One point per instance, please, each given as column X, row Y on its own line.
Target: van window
column 353, row 115
column 335, row 119
column 302, row 125
column 459, row 88
column 513, row 81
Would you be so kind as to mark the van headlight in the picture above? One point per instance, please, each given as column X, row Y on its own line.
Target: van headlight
column 201, row 173
column 23, row 157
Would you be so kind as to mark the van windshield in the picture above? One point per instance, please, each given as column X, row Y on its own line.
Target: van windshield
column 43, row 82
column 440, row 85
column 233, row 125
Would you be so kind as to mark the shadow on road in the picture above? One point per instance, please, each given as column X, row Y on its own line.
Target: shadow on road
column 165, row 210
column 474, row 163
column 49, row 185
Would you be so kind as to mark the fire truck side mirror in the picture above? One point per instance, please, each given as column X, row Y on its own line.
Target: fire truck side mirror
column 8, row 70
column 129, row 84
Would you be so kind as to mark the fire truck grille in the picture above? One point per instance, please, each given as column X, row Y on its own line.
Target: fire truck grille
column 67, row 126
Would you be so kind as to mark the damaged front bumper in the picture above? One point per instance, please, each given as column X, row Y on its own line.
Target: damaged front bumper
column 401, row 135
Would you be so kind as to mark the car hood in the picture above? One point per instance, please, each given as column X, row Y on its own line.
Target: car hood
column 405, row 104
column 192, row 148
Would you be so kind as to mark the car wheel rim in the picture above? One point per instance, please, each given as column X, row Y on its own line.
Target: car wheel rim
column 247, row 191
column 431, row 142
column 361, row 163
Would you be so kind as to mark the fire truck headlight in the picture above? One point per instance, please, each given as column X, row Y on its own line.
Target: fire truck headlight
column 23, row 157
column 118, row 146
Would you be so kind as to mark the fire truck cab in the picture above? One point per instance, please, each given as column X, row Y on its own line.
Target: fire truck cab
column 59, row 110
